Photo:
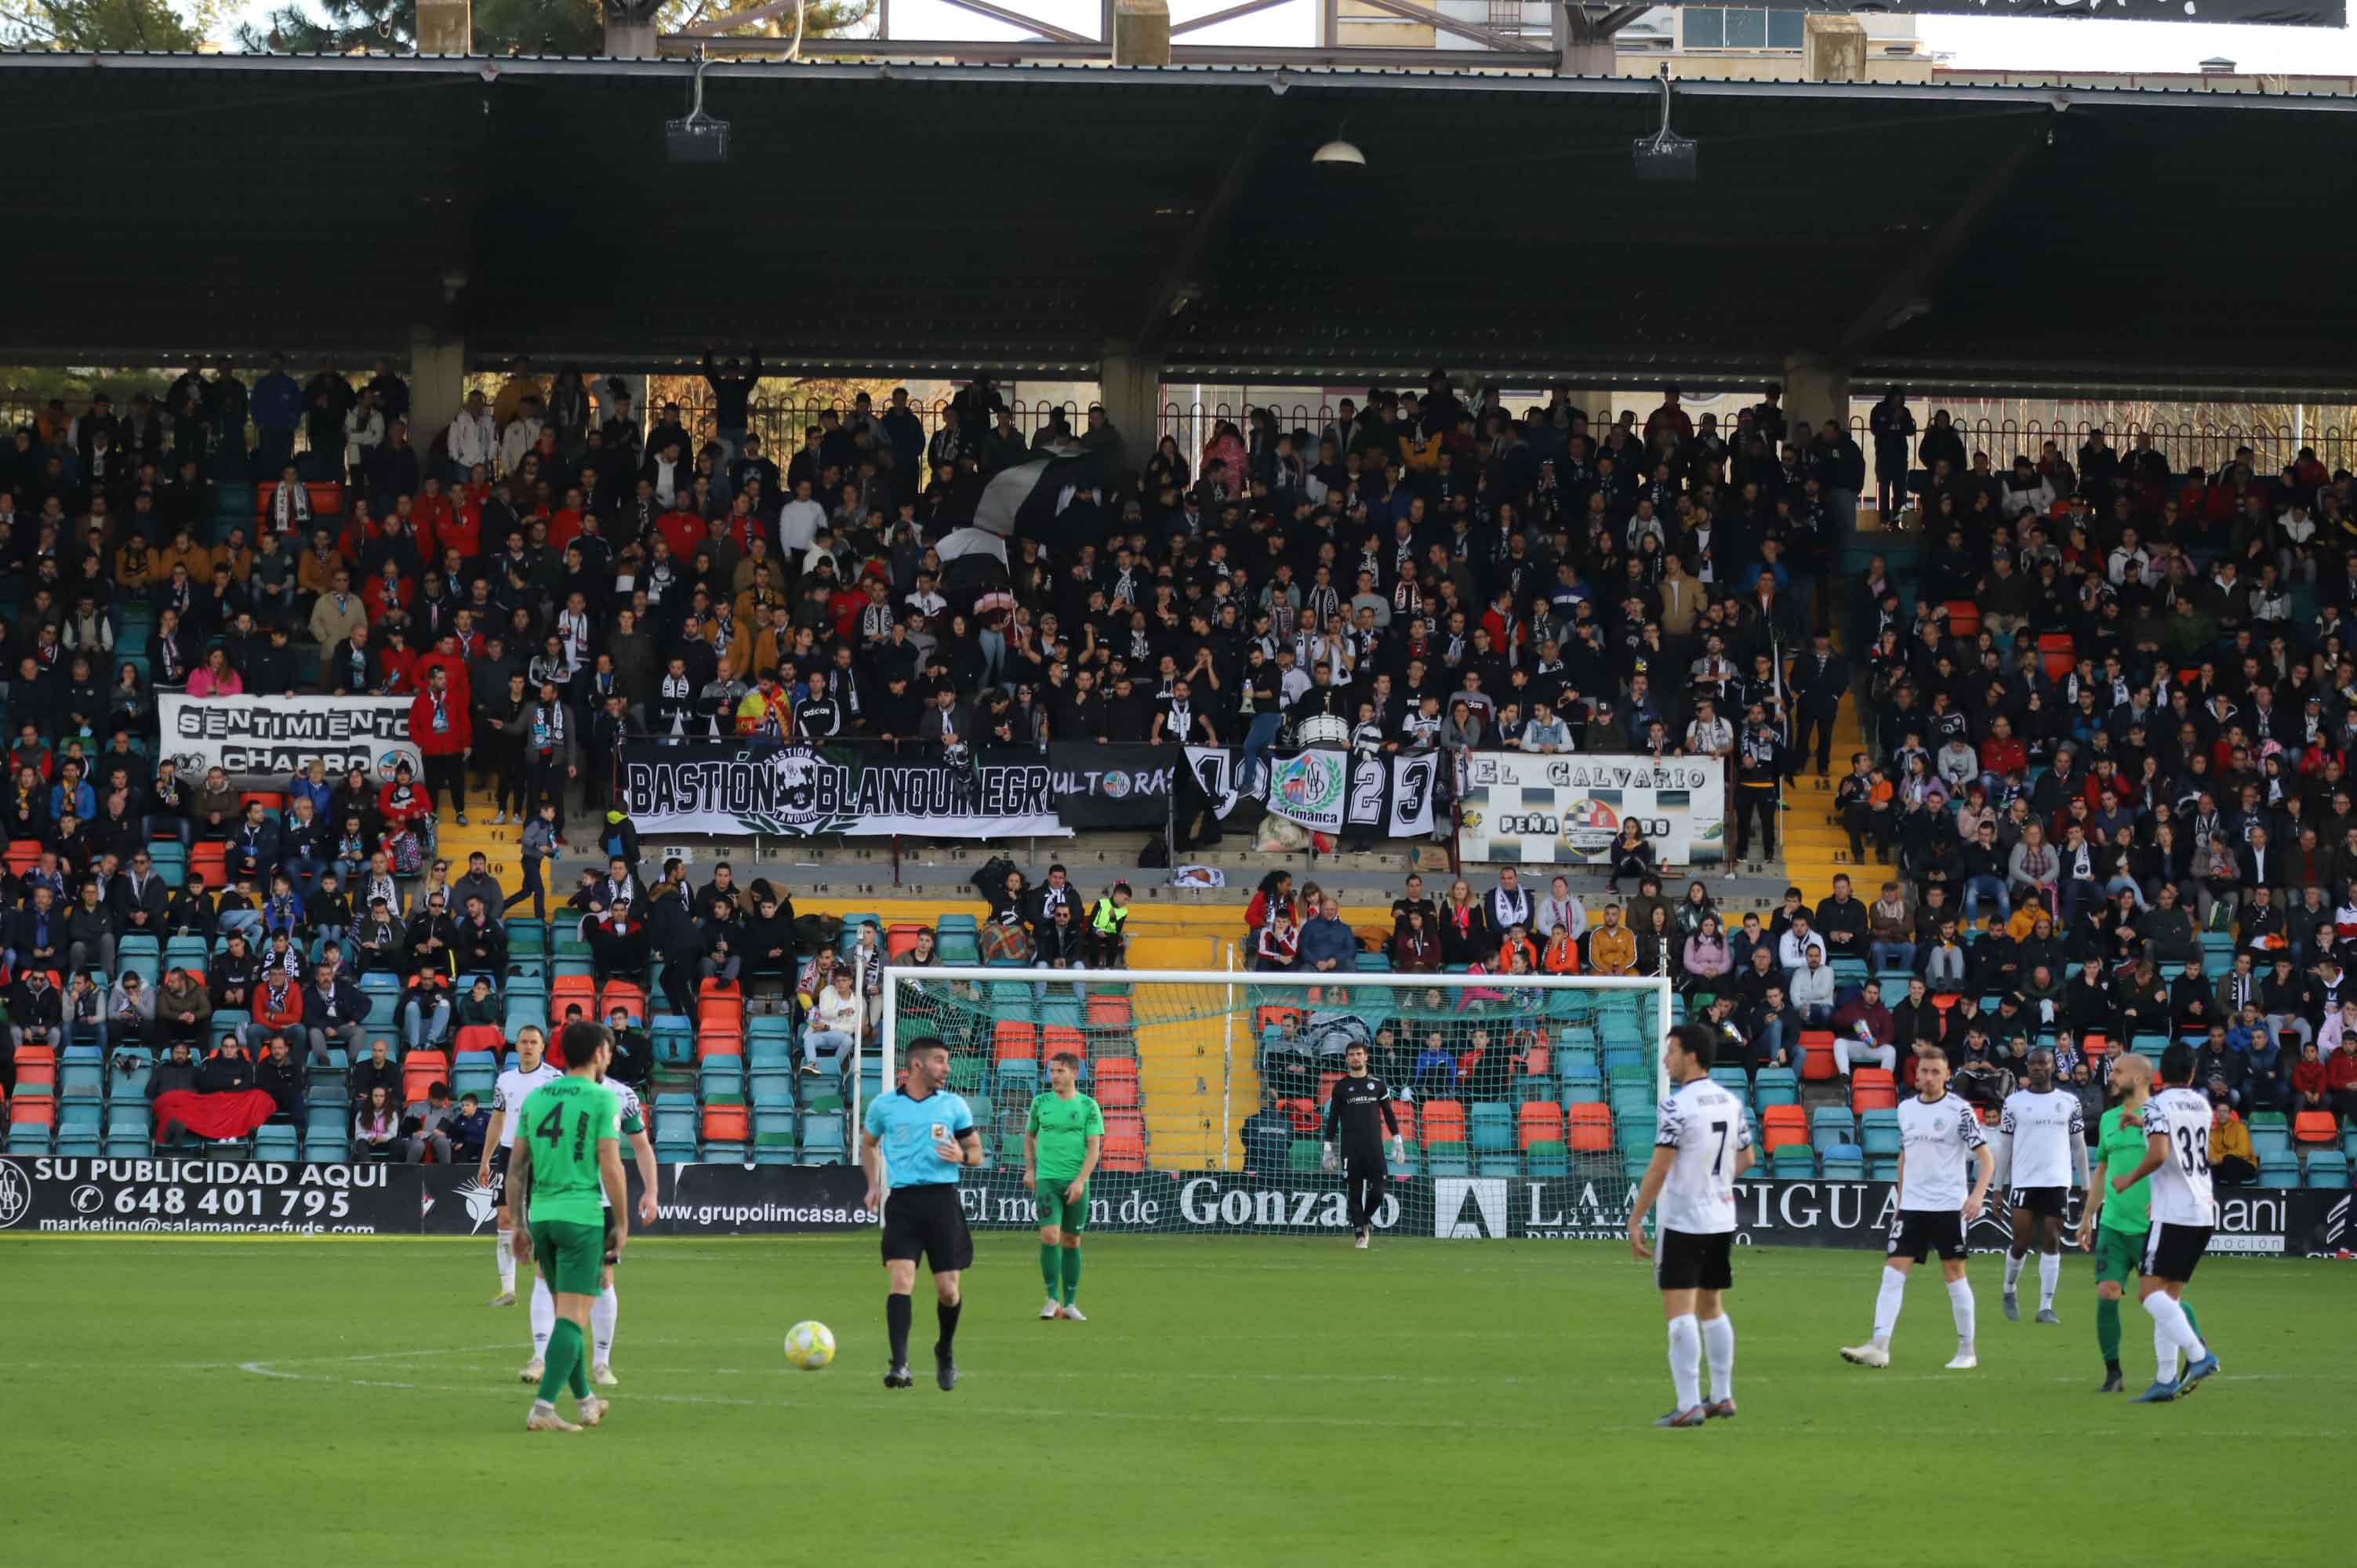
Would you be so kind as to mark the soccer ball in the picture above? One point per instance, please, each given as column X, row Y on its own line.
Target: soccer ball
column 810, row 1345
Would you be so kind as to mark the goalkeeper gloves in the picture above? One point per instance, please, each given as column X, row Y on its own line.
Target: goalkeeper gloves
column 1326, row 1160
column 1399, row 1151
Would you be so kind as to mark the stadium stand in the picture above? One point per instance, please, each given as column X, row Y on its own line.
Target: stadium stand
column 2035, row 708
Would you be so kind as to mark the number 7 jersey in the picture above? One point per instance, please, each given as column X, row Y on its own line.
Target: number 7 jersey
column 2181, row 1187
column 1704, row 1124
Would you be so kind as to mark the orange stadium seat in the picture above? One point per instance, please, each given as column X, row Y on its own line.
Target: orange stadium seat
column 1108, row 1012
column 1444, row 1122
column 1302, row 1114
column 2314, row 1127
column 1782, row 1124
column 1817, row 1055
column 1591, row 1128
column 1539, row 1121
column 1123, row 1154
column 726, row 1123
column 1011, row 1039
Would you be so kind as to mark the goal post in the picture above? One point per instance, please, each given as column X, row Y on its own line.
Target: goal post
column 1533, row 1094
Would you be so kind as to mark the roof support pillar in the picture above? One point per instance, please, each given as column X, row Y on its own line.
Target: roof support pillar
column 437, row 384
column 1817, row 389
column 1141, row 32
column 1130, row 387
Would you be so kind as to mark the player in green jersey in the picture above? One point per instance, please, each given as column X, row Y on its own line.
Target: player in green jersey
column 2114, row 1224
column 571, row 1132
column 1061, row 1143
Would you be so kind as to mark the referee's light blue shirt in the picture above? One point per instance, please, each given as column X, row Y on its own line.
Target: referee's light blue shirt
column 910, row 1128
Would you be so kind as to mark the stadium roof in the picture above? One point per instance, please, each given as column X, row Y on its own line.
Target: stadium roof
column 898, row 215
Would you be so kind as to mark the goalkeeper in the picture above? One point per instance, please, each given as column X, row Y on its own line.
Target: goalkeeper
column 1359, row 1100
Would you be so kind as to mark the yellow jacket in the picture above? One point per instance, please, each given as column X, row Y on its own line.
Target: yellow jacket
column 1612, row 949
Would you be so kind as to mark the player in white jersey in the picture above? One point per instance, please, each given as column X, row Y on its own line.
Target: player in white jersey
column 1701, row 1146
column 605, row 1312
column 531, row 1070
column 2184, row 1209
column 1939, row 1135
column 2045, row 1132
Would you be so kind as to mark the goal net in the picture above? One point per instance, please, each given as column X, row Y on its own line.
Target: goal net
column 1525, row 1104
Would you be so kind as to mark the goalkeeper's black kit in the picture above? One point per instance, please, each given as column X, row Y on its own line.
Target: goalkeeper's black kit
column 1359, row 1117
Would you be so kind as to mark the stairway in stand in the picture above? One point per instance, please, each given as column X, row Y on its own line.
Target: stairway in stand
column 498, row 844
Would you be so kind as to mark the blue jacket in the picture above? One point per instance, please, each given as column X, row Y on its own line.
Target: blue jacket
column 1322, row 938
column 323, row 794
column 83, row 805
column 277, row 403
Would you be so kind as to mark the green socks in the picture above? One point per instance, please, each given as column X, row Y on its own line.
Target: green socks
column 1072, row 1273
column 562, row 1365
column 1051, row 1268
column 2107, row 1331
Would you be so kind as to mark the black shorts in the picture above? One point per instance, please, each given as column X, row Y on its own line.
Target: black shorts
column 926, row 1221
column 1684, row 1261
column 500, row 1177
column 2173, row 1251
column 612, row 1257
column 1917, row 1233
column 2046, row 1202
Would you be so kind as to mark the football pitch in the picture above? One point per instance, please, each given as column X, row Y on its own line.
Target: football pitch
column 1232, row 1400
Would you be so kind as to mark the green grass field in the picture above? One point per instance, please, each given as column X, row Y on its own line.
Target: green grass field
column 1233, row 1400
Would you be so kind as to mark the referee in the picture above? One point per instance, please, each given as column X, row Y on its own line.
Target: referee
column 916, row 1139
column 1359, row 1099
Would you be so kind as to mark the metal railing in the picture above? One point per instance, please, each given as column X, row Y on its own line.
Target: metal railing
column 2186, row 445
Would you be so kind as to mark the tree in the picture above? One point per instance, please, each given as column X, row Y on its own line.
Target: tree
column 501, row 26
column 118, row 25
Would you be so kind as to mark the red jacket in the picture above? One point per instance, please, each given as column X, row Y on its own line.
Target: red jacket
column 458, row 731
column 684, row 532
column 454, row 669
column 2003, row 756
column 287, row 1013
column 2340, row 1071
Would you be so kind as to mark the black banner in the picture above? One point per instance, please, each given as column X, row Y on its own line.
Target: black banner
column 799, row 791
column 224, row 1196
column 1113, row 785
column 64, row 1195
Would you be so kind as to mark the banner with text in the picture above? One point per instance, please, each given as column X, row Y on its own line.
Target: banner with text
column 66, row 1195
column 1387, row 795
column 1533, row 809
column 1111, row 785
column 800, row 792
column 273, row 738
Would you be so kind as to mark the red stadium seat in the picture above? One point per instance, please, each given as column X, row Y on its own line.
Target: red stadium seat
column 1270, row 1016
column 1865, row 1097
column 1444, row 1122
column 718, row 1043
column 208, row 859
column 1116, row 1093
column 716, row 1013
column 2057, row 653
column 1108, row 1012
column 1011, row 1039
column 1817, row 1055
column 32, row 1110
column 1057, row 1038
column 2315, row 1127
column 1116, row 1069
column 901, row 940
column 482, row 1037
column 1964, row 618
column 621, row 993
column 421, row 1069
column 1782, row 1124
column 726, row 1123
column 716, row 986
column 1126, row 1126
column 25, row 855
column 1406, row 1110
column 1540, row 1122
column 1591, row 1127
column 1121, row 1154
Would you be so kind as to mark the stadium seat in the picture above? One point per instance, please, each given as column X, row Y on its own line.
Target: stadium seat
column 419, row 1070
column 1018, row 1075
column 481, row 1038
column 1872, row 1089
column 1783, row 1125
column 1831, row 1124
column 1842, row 1162
column 718, row 1043
column 2315, row 1127
column 1443, row 1122
column 1304, row 1156
column 2279, row 1172
column 1123, row 1153
column 1817, row 1055
column 2327, row 1169
column 1547, row 1159
column 1775, row 1086
column 1011, row 1040
column 1792, row 1161
column 1590, row 1127
column 2266, row 1139
column 1493, row 1128
column 1734, row 1080
column 1536, row 1123
column 1446, row 1159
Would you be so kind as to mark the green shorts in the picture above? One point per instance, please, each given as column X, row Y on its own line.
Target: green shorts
column 570, row 1255
column 1070, row 1217
column 2119, row 1256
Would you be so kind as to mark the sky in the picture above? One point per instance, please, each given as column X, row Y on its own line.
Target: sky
column 1978, row 43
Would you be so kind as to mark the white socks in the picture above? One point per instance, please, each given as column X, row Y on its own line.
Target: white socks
column 2049, row 1274
column 507, row 1262
column 1685, row 1360
column 2171, row 1333
column 543, row 1317
column 602, row 1313
column 1886, row 1302
column 1960, row 1302
column 1719, row 1344
column 2014, row 1264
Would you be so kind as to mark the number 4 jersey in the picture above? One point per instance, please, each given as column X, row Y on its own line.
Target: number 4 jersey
column 1704, row 1124
column 2181, row 1187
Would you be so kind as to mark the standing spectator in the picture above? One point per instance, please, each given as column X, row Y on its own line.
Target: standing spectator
column 443, row 731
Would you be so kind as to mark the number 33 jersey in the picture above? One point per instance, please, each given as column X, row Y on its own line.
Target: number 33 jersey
column 2181, row 1187
column 1704, row 1123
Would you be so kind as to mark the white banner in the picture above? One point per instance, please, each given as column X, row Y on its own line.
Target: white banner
column 273, row 738
column 1541, row 809
column 1328, row 790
